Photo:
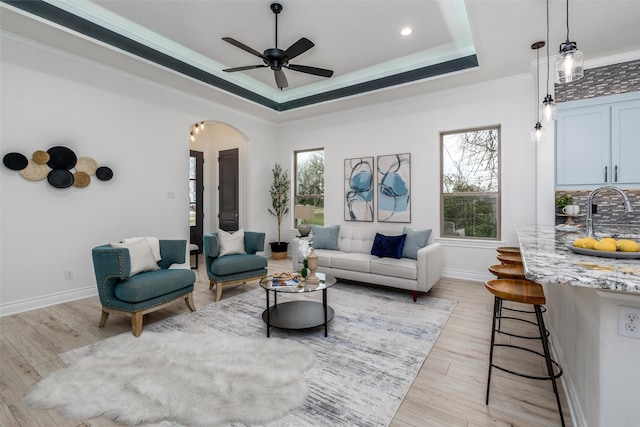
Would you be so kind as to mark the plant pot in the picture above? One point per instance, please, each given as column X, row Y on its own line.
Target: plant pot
column 279, row 250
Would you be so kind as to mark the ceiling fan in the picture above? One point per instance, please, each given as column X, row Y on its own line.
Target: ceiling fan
column 275, row 58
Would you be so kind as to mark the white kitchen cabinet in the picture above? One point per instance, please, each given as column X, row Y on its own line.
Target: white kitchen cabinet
column 598, row 142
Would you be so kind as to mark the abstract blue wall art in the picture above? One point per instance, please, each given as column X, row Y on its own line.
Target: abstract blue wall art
column 394, row 188
column 358, row 189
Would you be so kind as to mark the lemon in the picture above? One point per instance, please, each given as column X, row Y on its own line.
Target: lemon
column 588, row 242
column 609, row 239
column 606, row 244
column 625, row 245
column 578, row 243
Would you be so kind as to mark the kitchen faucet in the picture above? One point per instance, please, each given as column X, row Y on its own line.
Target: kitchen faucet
column 627, row 205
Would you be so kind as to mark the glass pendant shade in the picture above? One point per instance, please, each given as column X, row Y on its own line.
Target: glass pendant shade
column 536, row 134
column 569, row 66
column 548, row 108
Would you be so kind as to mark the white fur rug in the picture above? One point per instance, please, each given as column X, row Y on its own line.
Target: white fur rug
column 178, row 378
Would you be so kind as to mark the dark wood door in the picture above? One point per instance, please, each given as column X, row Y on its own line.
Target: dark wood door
column 228, row 197
column 196, row 191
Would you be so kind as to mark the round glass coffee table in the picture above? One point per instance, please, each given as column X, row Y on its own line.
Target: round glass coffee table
column 297, row 314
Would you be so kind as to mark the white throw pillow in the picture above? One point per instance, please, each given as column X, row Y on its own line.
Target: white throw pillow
column 231, row 243
column 154, row 242
column 141, row 256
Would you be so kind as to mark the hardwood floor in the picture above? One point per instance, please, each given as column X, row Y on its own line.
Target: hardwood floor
column 449, row 390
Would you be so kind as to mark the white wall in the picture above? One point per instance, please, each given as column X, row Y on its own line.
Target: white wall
column 137, row 128
column 414, row 126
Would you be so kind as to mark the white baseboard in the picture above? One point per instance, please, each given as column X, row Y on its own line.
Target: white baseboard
column 466, row 275
column 46, row 300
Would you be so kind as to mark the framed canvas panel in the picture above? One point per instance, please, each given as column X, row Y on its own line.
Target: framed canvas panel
column 394, row 188
column 358, row 189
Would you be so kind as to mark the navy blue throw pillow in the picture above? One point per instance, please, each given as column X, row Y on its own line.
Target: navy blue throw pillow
column 388, row 246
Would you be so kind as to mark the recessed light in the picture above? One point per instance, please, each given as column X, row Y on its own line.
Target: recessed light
column 406, row 31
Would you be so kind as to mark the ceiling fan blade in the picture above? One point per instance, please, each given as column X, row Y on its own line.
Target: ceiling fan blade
column 244, row 47
column 247, row 67
column 299, row 47
column 311, row 70
column 281, row 79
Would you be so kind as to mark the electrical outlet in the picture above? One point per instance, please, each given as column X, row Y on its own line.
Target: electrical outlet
column 68, row 273
column 629, row 321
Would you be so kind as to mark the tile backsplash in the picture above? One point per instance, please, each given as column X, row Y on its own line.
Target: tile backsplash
column 601, row 81
column 610, row 209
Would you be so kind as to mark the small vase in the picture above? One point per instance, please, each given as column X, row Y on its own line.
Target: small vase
column 312, row 262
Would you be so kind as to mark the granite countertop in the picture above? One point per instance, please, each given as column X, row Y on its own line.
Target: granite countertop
column 548, row 260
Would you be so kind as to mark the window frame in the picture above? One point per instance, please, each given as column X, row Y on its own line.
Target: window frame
column 296, row 196
column 497, row 194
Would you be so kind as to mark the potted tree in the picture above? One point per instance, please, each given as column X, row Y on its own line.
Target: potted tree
column 279, row 207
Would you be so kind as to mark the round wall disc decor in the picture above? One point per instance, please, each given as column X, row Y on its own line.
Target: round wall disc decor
column 60, row 178
column 34, row 171
column 15, row 161
column 104, row 173
column 86, row 165
column 61, row 158
column 81, row 179
column 40, row 157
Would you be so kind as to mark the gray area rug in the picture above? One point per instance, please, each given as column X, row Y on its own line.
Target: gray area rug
column 377, row 343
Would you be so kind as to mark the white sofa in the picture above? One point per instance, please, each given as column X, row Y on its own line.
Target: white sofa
column 353, row 260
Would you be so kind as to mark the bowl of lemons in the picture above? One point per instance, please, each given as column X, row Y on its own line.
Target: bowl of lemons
column 607, row 247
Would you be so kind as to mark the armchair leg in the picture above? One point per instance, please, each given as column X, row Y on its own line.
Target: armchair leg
column 211, row 284
column 189, row 301
column 136, row 323
column 103, row 319
column 218, row 291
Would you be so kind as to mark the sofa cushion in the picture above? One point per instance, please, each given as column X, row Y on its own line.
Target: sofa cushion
column 231, row 264
column 140, row 256
column 415, row 240
column 231, row 243
column 404, row 268
column 388, row 246
column 325, row 237
column 152, row 284
column 353, row 262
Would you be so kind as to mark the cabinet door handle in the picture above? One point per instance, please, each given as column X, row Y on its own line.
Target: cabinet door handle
column 615, row 172
column 605, row 174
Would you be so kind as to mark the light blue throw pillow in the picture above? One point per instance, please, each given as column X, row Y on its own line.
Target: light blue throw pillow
column 414, row 241
column 325, row 237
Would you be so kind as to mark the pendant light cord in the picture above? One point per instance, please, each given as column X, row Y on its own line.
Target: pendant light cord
column 567, row 21
column 538, row 83
column 548, row 47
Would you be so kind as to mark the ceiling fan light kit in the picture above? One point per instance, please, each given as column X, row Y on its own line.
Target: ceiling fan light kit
column 276, row 59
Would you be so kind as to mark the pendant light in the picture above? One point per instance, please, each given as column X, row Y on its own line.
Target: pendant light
column 569, row 63
column 536, row 135
column 548, row 105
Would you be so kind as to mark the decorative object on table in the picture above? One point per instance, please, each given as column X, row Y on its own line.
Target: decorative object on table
column 358, row 189
column 59, row 165
column 304, row 213
column 279, row 191
column 166, row 382
column 394, row 188
column 312, row 263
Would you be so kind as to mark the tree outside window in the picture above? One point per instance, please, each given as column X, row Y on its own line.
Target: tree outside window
column 309, row 189
column 471, row 183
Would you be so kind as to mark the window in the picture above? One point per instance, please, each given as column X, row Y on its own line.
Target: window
column 309, row 189
column 470, row 186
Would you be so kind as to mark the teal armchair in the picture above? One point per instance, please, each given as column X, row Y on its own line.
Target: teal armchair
column 144, row 292
column 237, row 268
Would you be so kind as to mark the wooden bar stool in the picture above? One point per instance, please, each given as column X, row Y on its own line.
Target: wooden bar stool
column 508, row 250
column 510, row 258
column 524, row 292
column 508, row 271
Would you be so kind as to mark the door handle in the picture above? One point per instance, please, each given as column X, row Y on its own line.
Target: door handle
column 605, row 174
column 615, row 173
column 235, row 215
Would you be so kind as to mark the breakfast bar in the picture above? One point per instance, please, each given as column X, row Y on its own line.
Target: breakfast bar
column 585, row 298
